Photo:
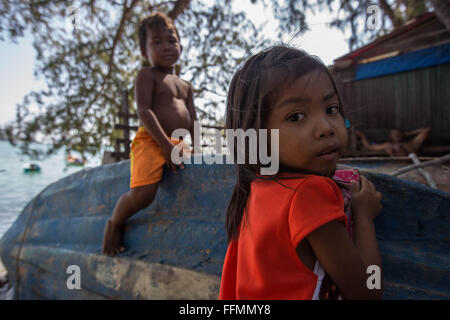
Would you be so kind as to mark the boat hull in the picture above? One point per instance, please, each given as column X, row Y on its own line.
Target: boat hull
column 176, row 246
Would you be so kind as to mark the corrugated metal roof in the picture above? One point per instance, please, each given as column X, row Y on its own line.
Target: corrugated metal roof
column 407, row 27
column 406, row 62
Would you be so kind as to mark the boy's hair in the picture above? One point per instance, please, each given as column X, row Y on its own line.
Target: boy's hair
column 155, row 20
column 251, row 90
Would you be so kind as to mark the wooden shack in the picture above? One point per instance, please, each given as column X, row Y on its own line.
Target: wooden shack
column 400, row 80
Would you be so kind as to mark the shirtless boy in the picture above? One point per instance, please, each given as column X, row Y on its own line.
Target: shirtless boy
column 164, row 103
column 398, row 147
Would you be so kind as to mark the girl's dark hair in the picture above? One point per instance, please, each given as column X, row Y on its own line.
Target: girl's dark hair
column 248, row 107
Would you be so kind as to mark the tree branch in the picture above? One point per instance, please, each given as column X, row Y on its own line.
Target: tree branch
column 178, row 8
column 125, row 14
column 442, row 11
column 396, row 22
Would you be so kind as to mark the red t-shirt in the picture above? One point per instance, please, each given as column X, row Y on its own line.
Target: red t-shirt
column 263, row 263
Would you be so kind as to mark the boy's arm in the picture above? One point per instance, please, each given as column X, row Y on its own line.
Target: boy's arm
column 191, row 108
column 374, row 147
column 192, row 112
column 420, row 136
column 144, row 96
column 417, row 131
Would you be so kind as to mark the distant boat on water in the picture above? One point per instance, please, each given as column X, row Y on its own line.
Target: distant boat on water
column 75, row 161
column 31, row 167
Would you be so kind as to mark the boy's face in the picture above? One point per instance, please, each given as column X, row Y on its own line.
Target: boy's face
column 163, row 47
column 311, row 129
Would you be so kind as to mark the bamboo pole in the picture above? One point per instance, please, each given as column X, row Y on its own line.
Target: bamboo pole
column 421, row 165
column 427, row 176
column 388, row 159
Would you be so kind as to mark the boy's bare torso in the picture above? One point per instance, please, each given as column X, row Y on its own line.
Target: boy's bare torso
column 169, row 101
column 399, row 149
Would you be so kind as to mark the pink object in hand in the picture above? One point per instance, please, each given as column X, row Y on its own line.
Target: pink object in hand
column 344, row 179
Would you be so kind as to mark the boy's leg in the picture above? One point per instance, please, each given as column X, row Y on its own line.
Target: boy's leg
column 127, row 205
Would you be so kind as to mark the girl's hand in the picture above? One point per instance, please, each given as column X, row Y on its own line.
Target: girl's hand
column 329, row 291
column 366, row 203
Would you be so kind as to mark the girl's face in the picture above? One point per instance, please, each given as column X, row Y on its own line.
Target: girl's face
column 312, row 130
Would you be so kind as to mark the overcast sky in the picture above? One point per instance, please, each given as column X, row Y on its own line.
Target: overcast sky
column 17, row 60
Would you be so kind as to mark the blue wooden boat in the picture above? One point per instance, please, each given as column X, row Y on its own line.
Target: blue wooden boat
column 177, row 245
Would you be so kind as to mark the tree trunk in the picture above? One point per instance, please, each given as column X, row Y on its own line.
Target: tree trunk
column 442, row 11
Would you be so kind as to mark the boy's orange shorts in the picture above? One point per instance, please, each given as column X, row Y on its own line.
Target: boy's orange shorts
column 146, row 159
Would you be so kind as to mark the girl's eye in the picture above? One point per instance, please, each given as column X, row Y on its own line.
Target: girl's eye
column 333, row 109
column 296, row 116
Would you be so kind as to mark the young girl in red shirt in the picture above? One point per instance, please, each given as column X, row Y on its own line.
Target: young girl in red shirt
column 287, row 232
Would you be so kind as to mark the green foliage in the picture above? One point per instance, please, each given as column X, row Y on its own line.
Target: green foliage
column 219, row 40
column 351, row 15
column 86, row 68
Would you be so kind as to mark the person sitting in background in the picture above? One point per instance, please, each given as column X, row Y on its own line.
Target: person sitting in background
column 397, row 146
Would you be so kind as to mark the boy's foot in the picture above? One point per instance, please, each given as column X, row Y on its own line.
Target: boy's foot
column 112, row 239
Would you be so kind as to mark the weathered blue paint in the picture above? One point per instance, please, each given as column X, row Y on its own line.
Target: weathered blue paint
column 184, row 229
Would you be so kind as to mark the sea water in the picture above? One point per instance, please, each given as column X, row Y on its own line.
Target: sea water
column 18, row 188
